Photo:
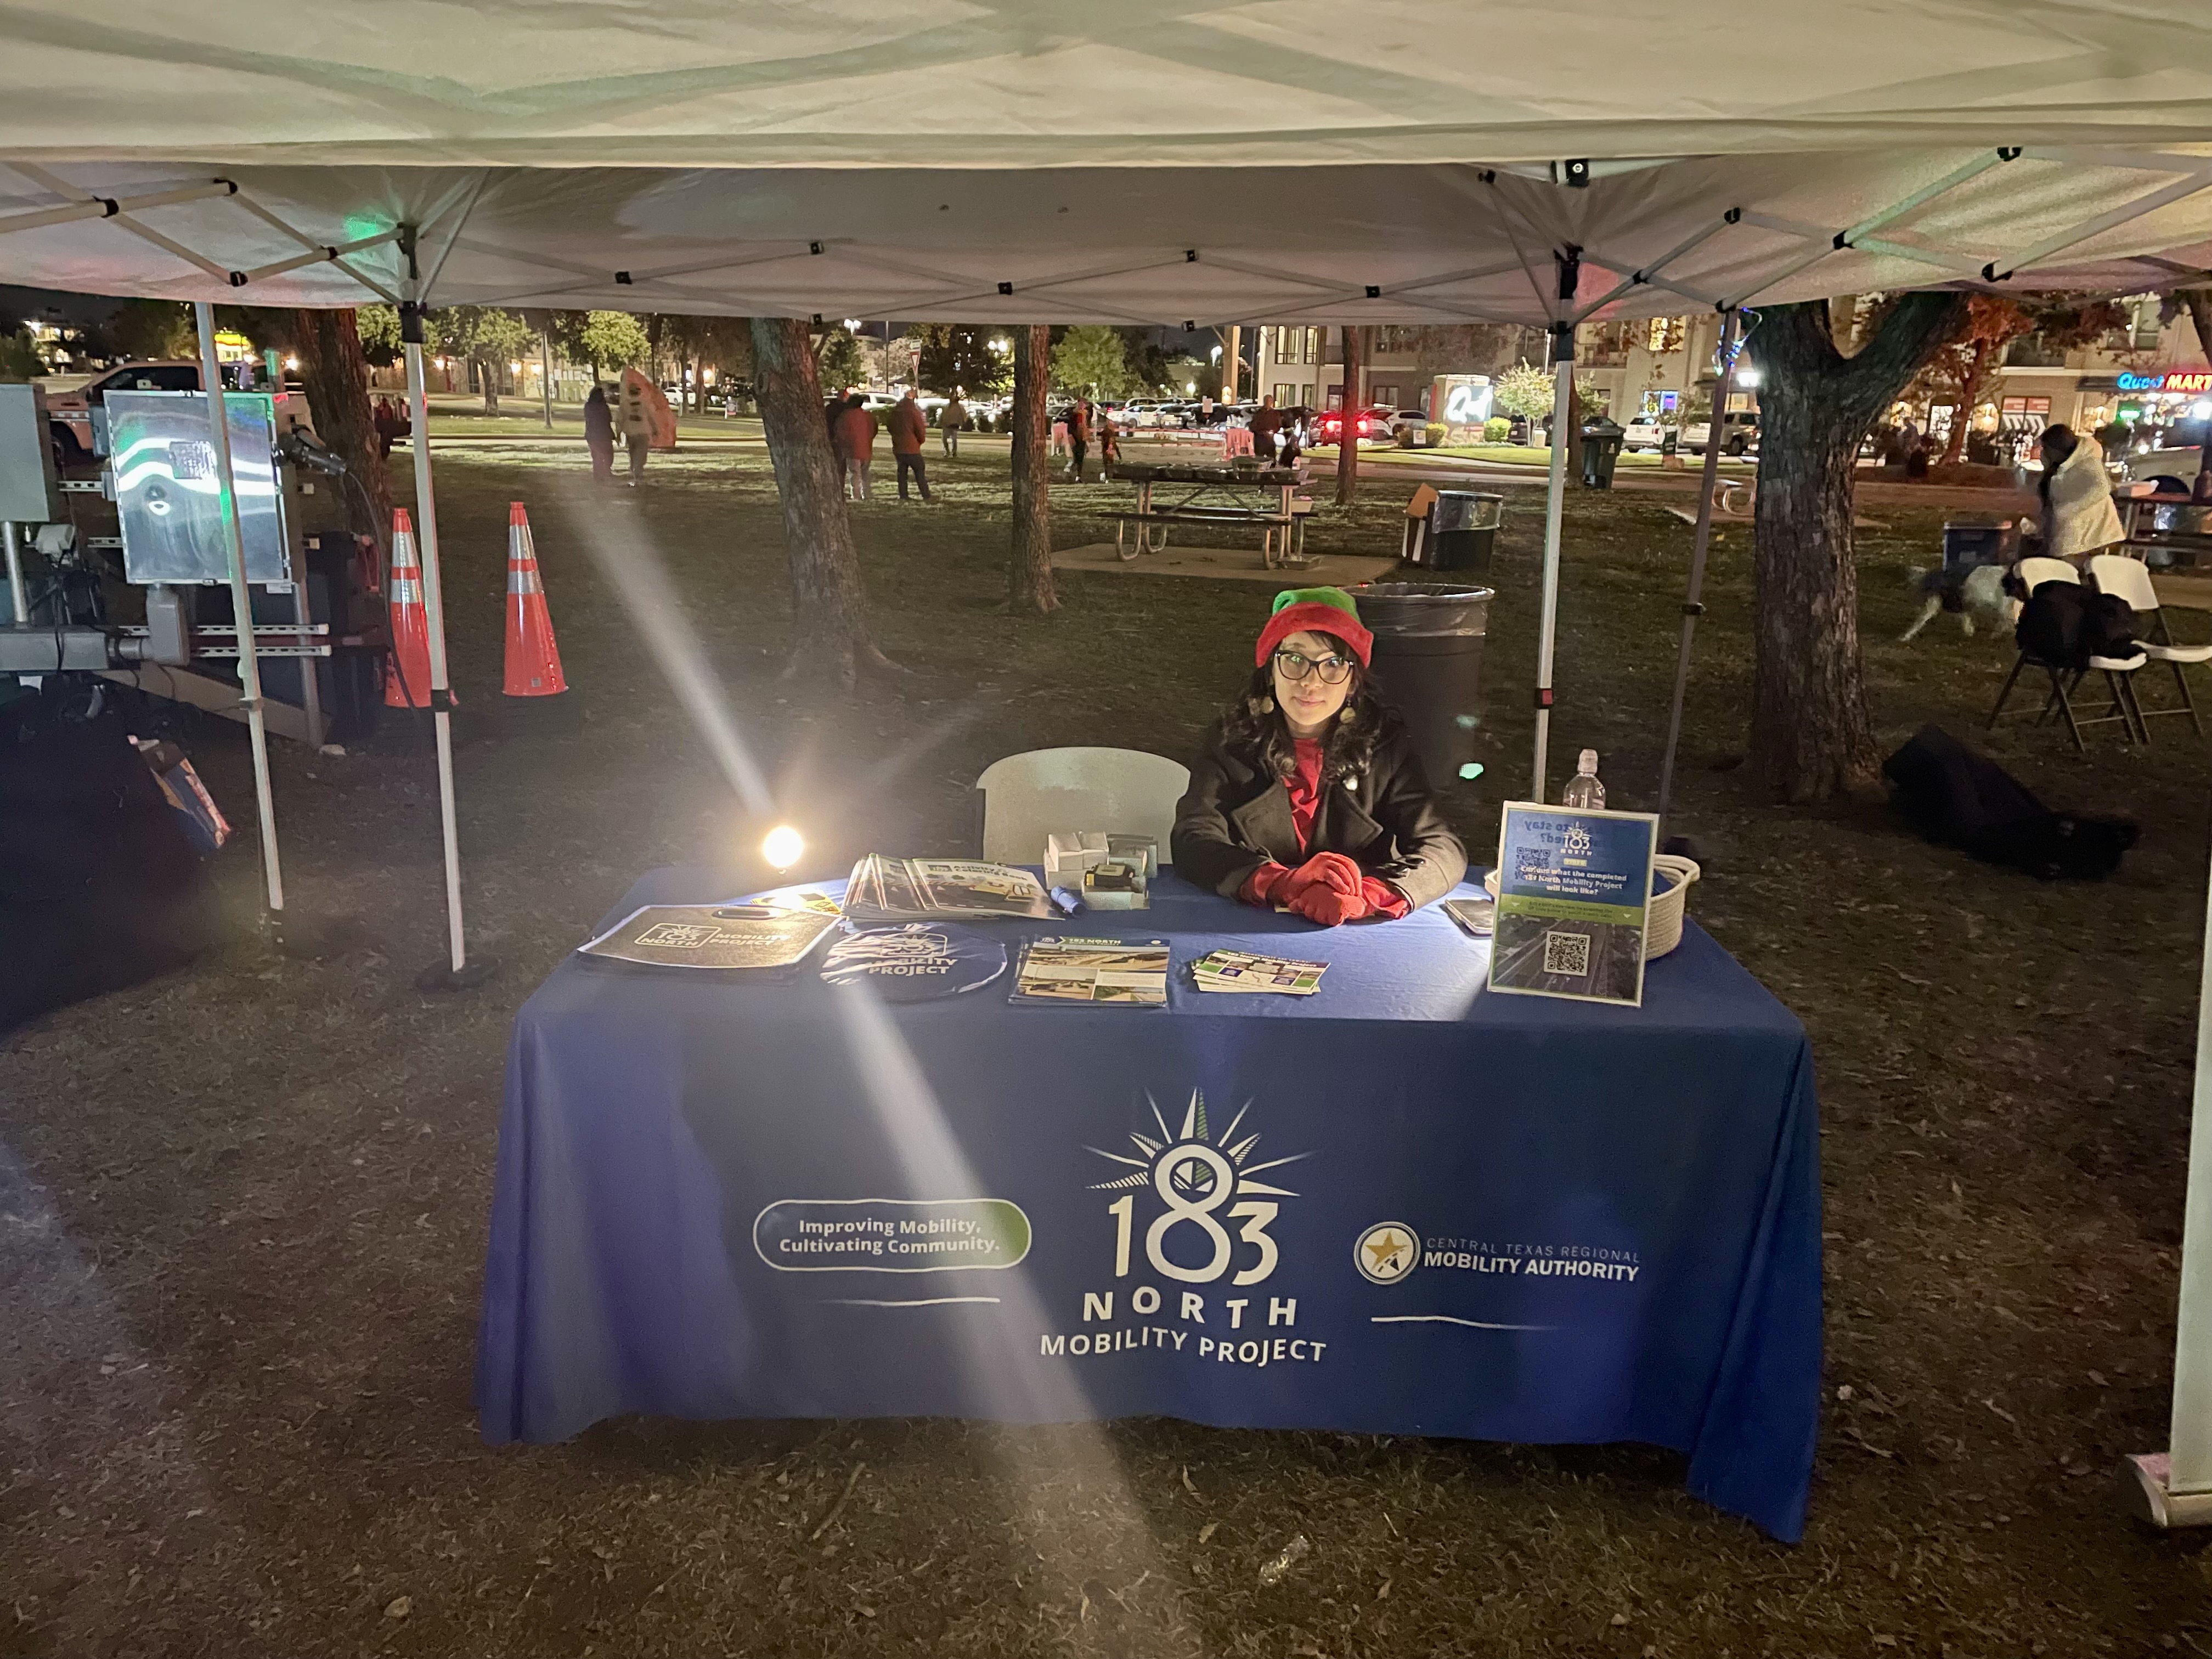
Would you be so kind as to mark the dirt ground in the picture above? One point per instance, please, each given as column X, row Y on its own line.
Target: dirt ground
column 242, row 1207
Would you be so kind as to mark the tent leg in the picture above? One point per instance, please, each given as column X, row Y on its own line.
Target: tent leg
column 2174, row 1488
column 1693, row 606
column 241, row 599
column 458, row 972
column 1563, row 375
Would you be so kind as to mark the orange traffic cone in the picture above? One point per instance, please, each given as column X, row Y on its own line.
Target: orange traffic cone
column 407, row 669
column 534, row 662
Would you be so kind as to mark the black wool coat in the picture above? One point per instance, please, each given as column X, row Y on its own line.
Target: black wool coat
column 1237, row 816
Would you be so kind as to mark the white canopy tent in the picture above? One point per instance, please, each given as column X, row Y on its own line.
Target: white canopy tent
column 1153, row 161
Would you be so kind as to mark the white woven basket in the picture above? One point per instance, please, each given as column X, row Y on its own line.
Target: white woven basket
column 1662, row 929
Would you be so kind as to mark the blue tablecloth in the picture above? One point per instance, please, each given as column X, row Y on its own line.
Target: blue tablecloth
column 1404, row 1205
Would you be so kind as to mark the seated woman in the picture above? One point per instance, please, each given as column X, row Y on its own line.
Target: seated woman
column 1309, row 793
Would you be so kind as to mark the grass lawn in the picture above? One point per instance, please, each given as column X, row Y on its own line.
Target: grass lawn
column 245, row 1204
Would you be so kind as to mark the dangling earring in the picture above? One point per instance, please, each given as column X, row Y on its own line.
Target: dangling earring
column 1347, row 716
column 1263, row 705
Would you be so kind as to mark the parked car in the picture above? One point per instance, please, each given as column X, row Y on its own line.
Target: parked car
column 68, row 414
column 2174, row 468
column 1410, row 427
column 1372, row 426
column 1648, row 432
column 1741, row 437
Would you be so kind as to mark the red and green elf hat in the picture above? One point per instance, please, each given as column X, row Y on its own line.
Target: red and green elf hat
column 1322, row 610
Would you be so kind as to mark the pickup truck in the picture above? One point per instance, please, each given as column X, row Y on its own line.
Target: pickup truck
column 68, row 414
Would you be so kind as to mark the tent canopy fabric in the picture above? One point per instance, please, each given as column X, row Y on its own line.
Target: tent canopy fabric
column 1003, row 161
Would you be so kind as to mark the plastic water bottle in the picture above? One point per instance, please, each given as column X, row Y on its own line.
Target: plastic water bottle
column 1584, row 789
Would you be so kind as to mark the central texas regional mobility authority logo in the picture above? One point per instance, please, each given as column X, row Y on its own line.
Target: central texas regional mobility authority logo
column 1387, row 1252
column 1200, row 1177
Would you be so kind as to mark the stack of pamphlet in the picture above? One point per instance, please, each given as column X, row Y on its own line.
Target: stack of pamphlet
column 941, row 889
column 1240, row 970
column 721, row 937
column 1133, row 972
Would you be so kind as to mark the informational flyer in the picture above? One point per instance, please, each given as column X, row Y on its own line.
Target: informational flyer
column 711, row 936
column 1573, row 887
column 1130, row 972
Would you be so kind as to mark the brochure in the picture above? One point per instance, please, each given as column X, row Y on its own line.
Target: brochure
column 1242, row 971
column 1129, row 971
column 715, row 936
column 1572, row 891
column 953, row 889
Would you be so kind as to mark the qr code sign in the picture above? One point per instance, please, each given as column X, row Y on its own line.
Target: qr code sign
column 1568, row 954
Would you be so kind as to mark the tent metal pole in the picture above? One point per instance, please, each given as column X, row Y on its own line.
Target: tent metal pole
column 1693, row 605
column 433, row 605
column 1563, row 376
column 545, row 375
column 241, row 602
column 2176, row 1489
column 18, row 599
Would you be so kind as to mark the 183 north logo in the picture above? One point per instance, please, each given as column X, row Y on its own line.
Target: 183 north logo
column 1199, row 1180
column 1192, row 1210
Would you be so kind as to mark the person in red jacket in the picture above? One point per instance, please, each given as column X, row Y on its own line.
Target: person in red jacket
column 856, row 445
column 1309, row 793
column 909, row 427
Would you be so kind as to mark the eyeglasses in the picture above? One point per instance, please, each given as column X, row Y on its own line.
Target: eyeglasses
column 1332, row 670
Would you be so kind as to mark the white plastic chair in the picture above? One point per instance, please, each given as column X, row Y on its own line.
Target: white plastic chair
column 1123, row 792
column 2129, row 581
column 2035, row 573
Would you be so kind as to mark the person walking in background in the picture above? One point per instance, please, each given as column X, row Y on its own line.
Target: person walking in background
column 1110, row 441
column 1267, row 422
column 1079, row 434
column 856, row 442
column 1294, row 436
column 950, row 420
column 600, row 433
column 635, row 420
column 909, row 431
column 386, row 420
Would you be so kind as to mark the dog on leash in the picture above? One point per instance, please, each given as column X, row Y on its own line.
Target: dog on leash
column 1987, row 592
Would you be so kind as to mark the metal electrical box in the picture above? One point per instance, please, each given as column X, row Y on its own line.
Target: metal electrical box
column 169, row 498
column 27, row 490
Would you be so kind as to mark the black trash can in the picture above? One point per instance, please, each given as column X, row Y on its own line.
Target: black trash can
column 1462, row 530
column 1601, row 440
column 1428, row 664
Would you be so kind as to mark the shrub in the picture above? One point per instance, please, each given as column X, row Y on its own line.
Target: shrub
column 1496, row 429
column 1436, row 432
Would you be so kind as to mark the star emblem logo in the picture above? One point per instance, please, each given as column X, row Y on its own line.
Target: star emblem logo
column 1387, row 1252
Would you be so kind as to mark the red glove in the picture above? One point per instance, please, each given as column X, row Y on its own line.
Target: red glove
column 1331, row 870
column 1261, row 886
column 1324, row 904
column 1382, row 899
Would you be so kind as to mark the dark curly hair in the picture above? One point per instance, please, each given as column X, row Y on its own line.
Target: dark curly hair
column 1253, row 723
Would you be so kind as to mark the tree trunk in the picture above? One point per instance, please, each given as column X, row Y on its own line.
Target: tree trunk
column 1347, row 440
column 1029, row 565
column 828, row 623
column 1970, row 396
column 336, row 376
column 1811, row 731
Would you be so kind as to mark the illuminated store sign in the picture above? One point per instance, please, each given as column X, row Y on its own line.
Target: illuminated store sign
column 2176, row 381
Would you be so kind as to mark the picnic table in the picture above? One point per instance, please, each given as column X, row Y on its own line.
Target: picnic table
column 1216, row 494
